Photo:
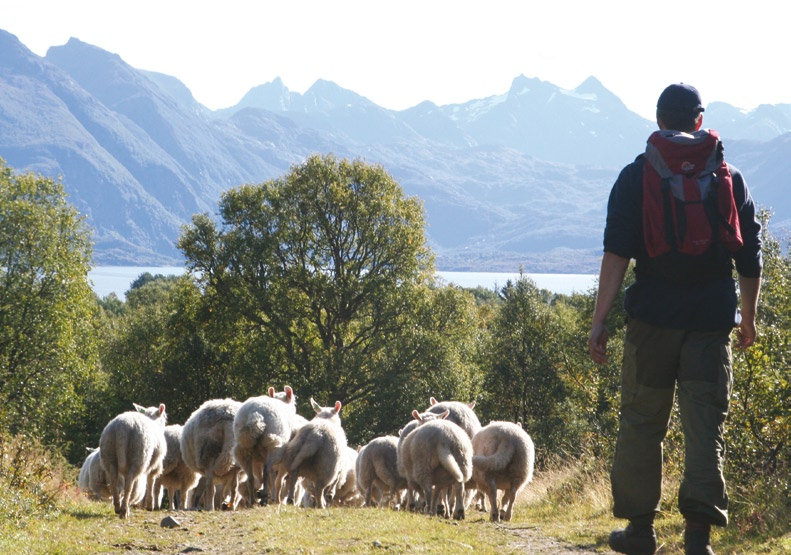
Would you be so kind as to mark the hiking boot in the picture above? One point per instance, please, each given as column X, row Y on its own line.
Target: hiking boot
column 634, row 540
column 697, row 539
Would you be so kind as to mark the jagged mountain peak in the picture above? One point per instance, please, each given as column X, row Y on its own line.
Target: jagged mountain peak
column 329, row 95
column 524, row 171
column 273, row 96
column 533, row 86
column 592, row 85
column 16, row 57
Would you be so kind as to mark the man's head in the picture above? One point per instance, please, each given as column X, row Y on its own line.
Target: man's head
column 680, row 108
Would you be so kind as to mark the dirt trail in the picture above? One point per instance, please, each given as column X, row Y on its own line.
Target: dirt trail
column 533, row 542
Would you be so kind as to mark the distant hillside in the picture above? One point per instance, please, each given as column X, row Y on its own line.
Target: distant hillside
column 515, row 179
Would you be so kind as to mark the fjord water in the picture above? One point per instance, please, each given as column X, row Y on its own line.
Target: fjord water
column 117, row 279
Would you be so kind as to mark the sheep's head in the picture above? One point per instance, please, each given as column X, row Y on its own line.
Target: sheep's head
column 329, row 413
column 427, row 416
column 287, row 395
column 154, row 413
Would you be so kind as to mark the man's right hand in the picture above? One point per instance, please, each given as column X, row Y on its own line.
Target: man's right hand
column 597, row 343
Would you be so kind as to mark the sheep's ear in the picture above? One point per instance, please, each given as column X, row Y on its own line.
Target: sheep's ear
column 271, row 391
column 416, row 415
column 445, row 414
column 519, row 424
column 161, row 409
column 337, row 407
column 472, row 405
column 289, row 393
column 433, row 401
column 315, row 405
column 138, row 408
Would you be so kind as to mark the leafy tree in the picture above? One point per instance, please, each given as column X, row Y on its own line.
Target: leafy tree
column 433, row 356
column 148, row 277
column 327, row 265
column 162, row 351
column 759, row 424
column 48, row 353
column 525, row 369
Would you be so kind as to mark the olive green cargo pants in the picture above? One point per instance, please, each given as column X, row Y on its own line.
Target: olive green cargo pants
column 656, row 363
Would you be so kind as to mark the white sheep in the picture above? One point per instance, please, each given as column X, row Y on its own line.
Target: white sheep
column 412, row 495
column 92, row 480
column 463, row 415
column 132, row 447
column 438, row 455
column 206, row 446
column 458, row 413
column 345, row 489
column 261, row 428
column 316, row 453
column 279, row 470
column 377, row 471
column 503, row 458
column 177, row 478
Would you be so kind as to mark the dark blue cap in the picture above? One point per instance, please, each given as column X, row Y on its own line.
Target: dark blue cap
column 680, row 98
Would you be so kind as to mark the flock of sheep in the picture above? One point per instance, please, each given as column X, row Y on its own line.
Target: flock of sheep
column 230, row 453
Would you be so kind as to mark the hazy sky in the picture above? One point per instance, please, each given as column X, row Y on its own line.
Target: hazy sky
column 400, row 53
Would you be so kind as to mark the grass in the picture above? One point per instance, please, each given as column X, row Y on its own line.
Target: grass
column 84, row 527
column 41, row 512
column 573, row 503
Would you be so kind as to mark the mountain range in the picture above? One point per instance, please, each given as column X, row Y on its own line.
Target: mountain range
column 517, row 179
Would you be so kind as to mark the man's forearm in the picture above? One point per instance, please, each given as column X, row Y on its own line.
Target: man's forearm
column 749, row 288
column 613, row 270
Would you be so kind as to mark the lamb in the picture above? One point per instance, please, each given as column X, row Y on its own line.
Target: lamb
column 437, row 455
column 377, row 470
column 261, row 428
column 316, row 453
column 132, row 447
column 503, row 458
column 177, row 478
column 279, row 470
column 345, row 488
column 92, row 480
column 206, row 445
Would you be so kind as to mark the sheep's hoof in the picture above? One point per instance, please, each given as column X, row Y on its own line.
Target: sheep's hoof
column 458, row 515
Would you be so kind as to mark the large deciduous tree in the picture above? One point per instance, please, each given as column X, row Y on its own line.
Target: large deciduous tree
column 527, row 368
column 47, row 341
column 325, row 264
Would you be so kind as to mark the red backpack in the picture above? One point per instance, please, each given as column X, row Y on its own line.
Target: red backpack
column 688, row 204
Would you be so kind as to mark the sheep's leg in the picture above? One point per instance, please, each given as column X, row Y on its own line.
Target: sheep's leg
column 509, row 497
column 431, row 495
column 208, row 499
column 247, row 466
column 267, row 480
column 129, row 487
column 458, row 513
column 292, row 484
column 151, row 499
column 369, row 493
column 115, row 486
column 494, row 514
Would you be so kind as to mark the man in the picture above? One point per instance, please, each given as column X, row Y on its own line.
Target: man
column 677, row 338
